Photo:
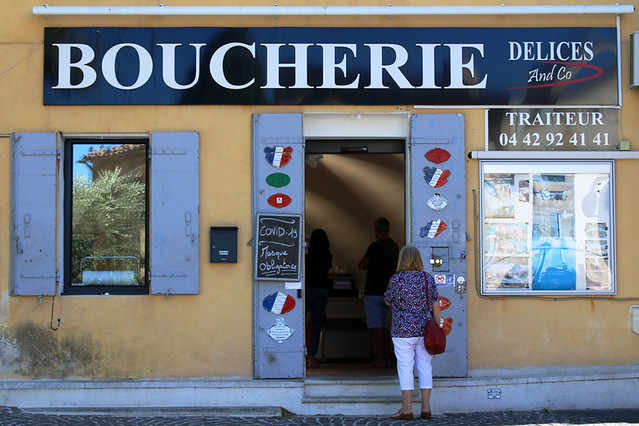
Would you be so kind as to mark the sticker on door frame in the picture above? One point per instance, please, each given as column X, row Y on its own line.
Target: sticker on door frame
column 279, row 303
column 280, row 331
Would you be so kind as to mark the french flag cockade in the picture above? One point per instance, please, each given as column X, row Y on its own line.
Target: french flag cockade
column 279, row 303
column 432, row 228
column 436, row 177
column 278, row 156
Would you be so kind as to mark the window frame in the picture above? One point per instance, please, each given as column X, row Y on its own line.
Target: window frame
column 67, row 216
column 558, row 167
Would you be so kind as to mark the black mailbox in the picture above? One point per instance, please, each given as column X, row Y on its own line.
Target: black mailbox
column 223, row 244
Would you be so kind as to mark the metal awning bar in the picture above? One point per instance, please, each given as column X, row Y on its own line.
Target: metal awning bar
column 329, row 10
column 553, row 155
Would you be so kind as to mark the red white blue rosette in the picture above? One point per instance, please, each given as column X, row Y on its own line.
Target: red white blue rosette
column 432, row 228
column 279, row 303
column 436, row 177
column 278, row 156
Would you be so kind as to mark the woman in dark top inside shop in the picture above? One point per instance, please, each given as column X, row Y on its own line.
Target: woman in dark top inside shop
column 319, row 261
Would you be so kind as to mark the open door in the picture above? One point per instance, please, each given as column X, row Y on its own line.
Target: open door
column 437, row 224
column 278, row 206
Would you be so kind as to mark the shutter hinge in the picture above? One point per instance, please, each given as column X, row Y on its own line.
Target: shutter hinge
column 35, row 276
column 171, row 274
column 167, row 151
column 40, row 152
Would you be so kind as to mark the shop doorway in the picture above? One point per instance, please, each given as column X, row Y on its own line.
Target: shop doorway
column 434, row 210
column 348, row 185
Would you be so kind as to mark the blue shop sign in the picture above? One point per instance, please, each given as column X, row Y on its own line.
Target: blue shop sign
column 339, row 66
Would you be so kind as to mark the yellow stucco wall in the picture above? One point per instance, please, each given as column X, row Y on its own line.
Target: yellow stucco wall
column 210, row 334
column 519, row 333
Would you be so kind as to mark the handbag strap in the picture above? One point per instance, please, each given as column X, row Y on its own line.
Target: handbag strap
column 426, row 285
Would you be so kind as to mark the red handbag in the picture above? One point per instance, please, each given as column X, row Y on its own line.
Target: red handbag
column 434, row 337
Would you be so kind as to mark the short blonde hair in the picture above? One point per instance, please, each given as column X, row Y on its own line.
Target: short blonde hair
column 410, row 259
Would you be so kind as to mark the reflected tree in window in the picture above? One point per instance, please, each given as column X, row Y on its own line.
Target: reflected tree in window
column 108, row 220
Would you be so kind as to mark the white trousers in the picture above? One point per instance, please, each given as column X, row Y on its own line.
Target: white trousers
column 410, row 352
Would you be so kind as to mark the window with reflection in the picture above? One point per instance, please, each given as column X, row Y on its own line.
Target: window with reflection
column 547, row 227
column 106, row 217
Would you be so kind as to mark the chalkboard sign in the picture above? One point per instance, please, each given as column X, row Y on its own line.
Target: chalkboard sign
column 278, row 247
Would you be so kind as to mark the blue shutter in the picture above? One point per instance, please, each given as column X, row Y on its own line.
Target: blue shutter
column 446, row 132
column 278, row 359
column 175, row 196
column 33, row 214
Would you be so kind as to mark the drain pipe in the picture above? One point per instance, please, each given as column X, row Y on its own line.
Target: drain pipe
column 276, row 10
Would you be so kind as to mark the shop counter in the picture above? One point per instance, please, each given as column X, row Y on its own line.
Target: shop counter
column 345, row 336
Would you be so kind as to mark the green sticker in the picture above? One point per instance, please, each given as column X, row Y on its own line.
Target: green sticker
column 278, row 180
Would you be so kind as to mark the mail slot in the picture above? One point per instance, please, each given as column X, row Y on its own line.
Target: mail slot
column 223, row 244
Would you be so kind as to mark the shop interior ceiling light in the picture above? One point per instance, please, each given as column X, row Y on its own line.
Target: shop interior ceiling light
column 275, row 10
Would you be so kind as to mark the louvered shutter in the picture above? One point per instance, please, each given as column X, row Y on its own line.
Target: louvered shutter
column 175, row 197
column 33, row 214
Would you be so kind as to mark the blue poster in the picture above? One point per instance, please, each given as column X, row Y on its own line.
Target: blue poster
column 554, row 262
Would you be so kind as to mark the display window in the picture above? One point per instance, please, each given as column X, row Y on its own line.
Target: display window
column 547, row 227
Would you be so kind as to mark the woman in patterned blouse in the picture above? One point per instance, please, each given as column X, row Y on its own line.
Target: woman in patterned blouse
column 406, row 294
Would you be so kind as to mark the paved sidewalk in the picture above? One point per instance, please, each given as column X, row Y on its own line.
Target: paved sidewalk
column 15, row 416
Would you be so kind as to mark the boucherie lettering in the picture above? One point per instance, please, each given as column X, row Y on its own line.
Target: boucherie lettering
column 272, row 55
column 327, row 65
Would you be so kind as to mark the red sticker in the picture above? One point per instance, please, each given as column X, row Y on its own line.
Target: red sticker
column 448, row 326
column 279, row 200
column 444, row 302
column 437, row 155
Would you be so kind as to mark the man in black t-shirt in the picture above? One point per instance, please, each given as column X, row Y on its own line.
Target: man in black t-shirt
column 380, row 262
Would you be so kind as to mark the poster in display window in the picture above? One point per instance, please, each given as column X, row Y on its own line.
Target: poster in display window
column 499, row 192
column 507, row 252
column 547, row 227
